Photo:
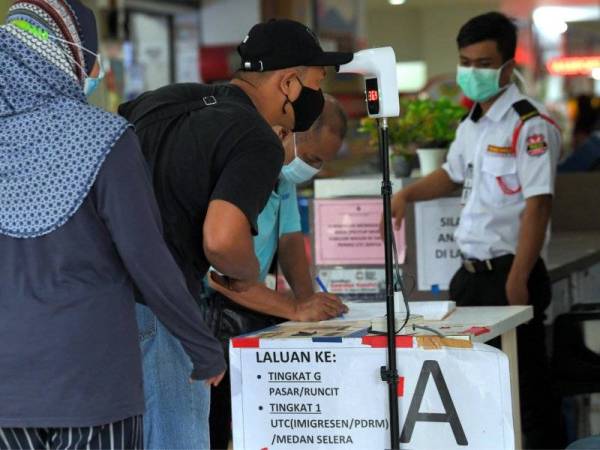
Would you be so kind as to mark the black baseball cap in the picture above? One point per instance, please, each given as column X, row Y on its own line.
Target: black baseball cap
column 282, row 43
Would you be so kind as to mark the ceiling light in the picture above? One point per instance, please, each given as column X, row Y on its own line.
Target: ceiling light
column 550, row 21
column 567, row 13
column 396, row 2
column 561, row 27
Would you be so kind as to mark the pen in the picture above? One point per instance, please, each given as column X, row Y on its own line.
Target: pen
column 321, row 284
column 324, row 289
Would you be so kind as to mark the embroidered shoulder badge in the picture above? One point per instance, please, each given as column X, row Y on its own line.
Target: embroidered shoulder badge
column 536, row 145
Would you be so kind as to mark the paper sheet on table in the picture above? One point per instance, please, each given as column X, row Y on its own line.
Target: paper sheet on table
column 288, row 330
column 363, row 311
column 429, row 310
column 367, row 311
column 358, row 312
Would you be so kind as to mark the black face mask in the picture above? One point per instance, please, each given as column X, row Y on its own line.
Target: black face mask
column 307, row 107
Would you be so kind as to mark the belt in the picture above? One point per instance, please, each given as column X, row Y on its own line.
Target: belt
column 478, row 266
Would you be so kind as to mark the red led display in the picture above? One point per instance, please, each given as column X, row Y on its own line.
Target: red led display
column 372, row 96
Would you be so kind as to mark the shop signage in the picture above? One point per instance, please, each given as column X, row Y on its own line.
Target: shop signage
column 347, row 232
column 438, row 256
column 353, row 281
column 573, row 65
column 327, row 394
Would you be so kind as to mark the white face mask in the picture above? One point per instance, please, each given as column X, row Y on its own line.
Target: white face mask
column 298, row 171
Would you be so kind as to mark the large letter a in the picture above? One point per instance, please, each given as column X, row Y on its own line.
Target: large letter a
column 450, row 415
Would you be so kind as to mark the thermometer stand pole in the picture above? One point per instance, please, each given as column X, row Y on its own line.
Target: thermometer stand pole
column 389, row 374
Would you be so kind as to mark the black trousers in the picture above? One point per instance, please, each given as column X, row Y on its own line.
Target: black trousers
column 227, row 320
column 540, row 410
column 127, row 434
column 220, row 415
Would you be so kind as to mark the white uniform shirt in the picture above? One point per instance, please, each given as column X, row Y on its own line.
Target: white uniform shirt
column 496, row 181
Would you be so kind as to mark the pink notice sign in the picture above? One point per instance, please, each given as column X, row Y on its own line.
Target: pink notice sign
column 347, row 232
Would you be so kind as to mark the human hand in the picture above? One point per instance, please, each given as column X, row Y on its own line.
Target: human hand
column 398, row 210
column 213, row 381
column 317, row 307
column 517, row 292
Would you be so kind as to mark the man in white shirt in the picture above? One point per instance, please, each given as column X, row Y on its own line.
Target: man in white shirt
column 504, row 155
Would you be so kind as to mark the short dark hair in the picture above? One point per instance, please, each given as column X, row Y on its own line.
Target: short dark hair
column 243, row 74
column 492, row 26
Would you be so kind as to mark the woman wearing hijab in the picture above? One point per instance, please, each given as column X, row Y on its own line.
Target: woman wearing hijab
column 79, row 228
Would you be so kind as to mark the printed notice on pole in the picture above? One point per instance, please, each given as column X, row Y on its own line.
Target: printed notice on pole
column 347, row 232
column 438, row 257
column 295, row 394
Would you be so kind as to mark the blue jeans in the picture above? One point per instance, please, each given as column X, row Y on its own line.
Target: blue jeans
column 176, row 410
column 589, row 443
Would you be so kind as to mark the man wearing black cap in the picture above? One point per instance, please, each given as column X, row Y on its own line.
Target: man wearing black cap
column 215, row 161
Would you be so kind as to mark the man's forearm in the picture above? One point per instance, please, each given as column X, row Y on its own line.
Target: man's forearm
column 294, row 264
column 264, row 300
column 434, row 185
column 532, row 234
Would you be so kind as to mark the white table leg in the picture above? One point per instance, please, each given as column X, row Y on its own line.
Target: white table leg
column 509, row 346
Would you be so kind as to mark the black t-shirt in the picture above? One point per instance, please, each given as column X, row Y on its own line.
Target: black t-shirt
column 199, row 151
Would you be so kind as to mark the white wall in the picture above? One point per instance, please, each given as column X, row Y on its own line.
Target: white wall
column 227, row 21
column 440, row 26
column 401, row 29
column 424, row 32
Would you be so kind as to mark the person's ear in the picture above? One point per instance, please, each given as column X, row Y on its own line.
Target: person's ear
column 507, row 71
column 288, row 84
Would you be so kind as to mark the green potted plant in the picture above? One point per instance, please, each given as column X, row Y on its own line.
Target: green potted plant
column 425, row 126
column 430, row 125
column 401, row 155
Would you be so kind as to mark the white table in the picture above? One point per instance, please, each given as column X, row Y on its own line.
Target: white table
column 490, row 322
column 501, row 321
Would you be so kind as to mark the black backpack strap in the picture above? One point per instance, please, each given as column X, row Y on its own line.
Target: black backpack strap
column 525, row 110
column 169, row 111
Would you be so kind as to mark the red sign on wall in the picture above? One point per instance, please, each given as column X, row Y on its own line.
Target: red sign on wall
column 573, row 65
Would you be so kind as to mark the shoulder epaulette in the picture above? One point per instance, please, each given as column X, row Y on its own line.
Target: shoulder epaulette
column 525, row 110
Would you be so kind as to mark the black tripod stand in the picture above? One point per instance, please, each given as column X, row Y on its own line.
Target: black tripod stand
column 389, row 373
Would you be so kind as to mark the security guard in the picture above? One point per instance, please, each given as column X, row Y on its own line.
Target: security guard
column 505, row 156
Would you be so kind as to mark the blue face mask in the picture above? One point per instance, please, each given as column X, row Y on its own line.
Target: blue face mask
column 298, row 171
column 91, row 84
